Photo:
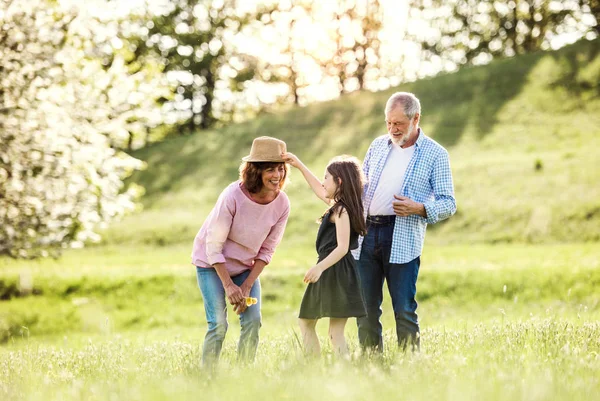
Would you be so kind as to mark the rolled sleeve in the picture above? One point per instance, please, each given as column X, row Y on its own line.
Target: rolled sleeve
column 439, row 209
column 274, row 238
column 431, row 212
column 214, row 254
column 443, row 205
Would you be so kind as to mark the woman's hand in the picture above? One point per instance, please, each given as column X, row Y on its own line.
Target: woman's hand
column 291, row 159
column 241, row 306
column 234, row 294
column 312, row 275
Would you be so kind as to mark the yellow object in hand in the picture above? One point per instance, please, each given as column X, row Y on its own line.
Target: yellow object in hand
column 251, row 301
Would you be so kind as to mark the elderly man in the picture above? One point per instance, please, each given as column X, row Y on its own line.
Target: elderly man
column 409, row 185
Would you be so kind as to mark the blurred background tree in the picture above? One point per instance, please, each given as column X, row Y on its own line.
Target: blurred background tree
column 59, row 177
column 282, row 31
column 474, row 32
column 354, row 29
column 136, row 91
column 334, row 43
column 193, row 41
column 593, row 8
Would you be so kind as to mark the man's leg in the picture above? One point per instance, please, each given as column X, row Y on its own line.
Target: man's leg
column 402, row 284
column 370, row 331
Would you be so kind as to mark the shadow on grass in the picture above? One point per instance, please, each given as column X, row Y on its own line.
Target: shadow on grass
column 472, row 96
column 579, row 75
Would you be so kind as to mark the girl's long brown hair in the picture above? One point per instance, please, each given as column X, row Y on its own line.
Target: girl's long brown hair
column 348, row 176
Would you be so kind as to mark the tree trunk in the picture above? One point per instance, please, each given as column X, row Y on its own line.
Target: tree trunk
column 130, row 142
column 206, row 112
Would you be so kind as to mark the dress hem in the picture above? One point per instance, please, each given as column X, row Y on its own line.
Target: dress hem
column 335, row 317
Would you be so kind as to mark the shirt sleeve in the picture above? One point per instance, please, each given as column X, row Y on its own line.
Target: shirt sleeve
column 366, row 167
column 218, row 227
column 274, row 238
column 443, row 205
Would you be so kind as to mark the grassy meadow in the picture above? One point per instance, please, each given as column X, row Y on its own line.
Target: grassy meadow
column 498, row 322
column 533, row 360
column 508, row 287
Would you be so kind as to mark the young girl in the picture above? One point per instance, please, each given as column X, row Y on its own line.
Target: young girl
column 333, row 289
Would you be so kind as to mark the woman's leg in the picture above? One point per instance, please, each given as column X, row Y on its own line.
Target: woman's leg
column 336, row 334
column 215, row 307
column 309, row 336
column 251, row 321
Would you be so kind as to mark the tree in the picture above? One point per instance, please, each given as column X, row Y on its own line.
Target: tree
column 282, row 31
column 355, row 32
column 593, row 8
column 194, row 41
column 474, row 31
column 59, row 177
column 135, row 91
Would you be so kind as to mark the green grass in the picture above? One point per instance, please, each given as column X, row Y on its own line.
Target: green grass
column 114, row 289
column 534, row 359
column 523, row 136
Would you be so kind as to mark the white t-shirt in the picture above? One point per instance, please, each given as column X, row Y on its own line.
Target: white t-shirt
column 391, row 180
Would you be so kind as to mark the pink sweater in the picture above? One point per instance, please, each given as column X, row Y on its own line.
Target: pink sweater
column 238, row 231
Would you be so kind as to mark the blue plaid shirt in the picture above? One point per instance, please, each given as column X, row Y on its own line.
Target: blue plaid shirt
column 428, row 180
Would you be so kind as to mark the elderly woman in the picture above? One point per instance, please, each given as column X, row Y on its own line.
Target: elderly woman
column 237, row 241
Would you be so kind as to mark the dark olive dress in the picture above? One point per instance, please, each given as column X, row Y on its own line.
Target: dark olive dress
column 337, row 293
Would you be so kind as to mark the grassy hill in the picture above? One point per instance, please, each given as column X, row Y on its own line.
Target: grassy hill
column 523, row 136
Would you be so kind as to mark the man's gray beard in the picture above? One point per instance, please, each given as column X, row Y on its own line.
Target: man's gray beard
column 403, row 139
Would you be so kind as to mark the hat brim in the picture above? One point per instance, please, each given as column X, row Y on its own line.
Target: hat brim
column 250, row 159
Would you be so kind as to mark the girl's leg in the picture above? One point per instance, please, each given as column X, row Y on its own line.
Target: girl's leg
column 336, row 334
column 309, row 336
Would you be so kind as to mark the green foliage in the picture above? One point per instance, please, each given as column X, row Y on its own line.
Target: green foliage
column 194, row 42
column 469, row 31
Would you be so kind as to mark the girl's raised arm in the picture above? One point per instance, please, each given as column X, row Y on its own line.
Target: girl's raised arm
column 312, row 180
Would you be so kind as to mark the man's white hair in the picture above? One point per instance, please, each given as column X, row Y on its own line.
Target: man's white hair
column 409, row 102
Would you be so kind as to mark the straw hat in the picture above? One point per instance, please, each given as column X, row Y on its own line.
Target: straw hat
column 266, row 149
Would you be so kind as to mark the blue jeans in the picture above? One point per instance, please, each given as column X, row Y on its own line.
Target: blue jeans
column 373, row 268
column 215, row 306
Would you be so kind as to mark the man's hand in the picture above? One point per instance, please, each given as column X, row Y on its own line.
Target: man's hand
column 312, row 275
column 234, row 294
column 404, row 206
